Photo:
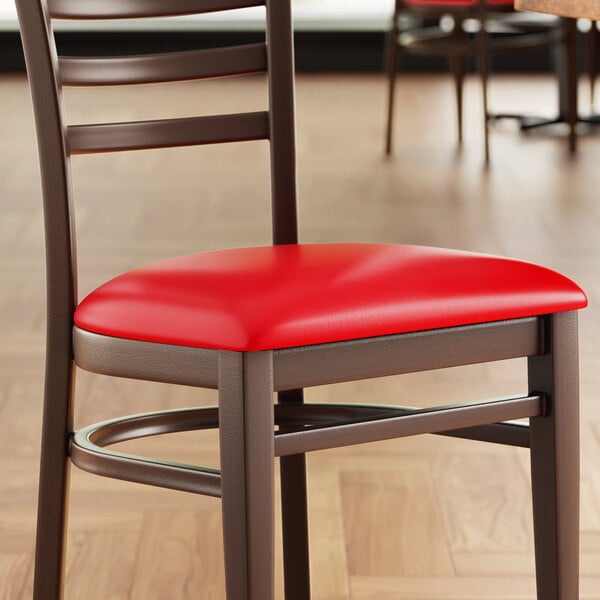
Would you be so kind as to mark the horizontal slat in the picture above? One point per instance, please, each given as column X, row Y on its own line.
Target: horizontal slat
column 429, row 420
column 114, row 137
column 307, row 366
column 145, row 360
column 172, row 66
column 509, row 433
column 316, row 365
column 131, row 9
column 89, row 453
column 139, row 469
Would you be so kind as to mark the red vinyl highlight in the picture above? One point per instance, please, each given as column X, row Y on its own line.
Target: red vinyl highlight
column 285, row 296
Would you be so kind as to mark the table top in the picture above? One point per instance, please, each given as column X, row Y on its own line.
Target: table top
column 589, row 9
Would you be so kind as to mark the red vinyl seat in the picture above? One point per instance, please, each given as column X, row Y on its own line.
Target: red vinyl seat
column 294, row 295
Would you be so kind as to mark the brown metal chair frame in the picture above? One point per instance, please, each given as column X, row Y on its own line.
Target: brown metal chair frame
column 246, row 415
column 457, row 45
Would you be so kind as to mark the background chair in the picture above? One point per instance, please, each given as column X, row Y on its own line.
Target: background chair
column 592, row 38
column 254, row 321
column 592, row 59
column 463, row 28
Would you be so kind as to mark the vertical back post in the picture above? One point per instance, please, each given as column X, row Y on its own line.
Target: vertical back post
column 40, row 56
column 280, row 58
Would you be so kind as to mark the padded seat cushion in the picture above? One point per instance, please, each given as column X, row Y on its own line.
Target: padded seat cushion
column 285, row 296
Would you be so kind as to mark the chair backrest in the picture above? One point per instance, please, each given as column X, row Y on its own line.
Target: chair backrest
column 57, row 141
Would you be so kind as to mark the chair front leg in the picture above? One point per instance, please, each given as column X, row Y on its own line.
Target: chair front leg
column 555, row 462
column 246, row 430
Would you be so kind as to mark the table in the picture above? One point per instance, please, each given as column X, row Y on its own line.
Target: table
column 570, row 10
column 575, row 9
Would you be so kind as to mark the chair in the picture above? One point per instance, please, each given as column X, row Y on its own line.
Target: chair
column 254, row 321
column 592, row 59
column 498, row 29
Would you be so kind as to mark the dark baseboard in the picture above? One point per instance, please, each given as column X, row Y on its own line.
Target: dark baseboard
column 348, row 51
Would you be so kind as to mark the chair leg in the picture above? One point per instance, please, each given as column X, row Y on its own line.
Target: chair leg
column 555, row 462
column 392, row 68
column 246, row 430
column 294, row 513
column 484, row 62
column 592, row 62
column 570, row 42
column 54, row 476
column 457, row 59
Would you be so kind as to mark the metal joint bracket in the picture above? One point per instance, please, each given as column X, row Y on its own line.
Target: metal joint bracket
column 544, row 404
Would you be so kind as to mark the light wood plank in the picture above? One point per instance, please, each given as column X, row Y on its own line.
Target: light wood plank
column 13, row 573
column 180, row 552
column 100, row 564
column 498, row 563
column 485, row 501
column 328, row 558
column 384, row 513
column 456, row 588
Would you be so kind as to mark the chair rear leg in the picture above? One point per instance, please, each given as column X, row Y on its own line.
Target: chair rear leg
column 54, row 477
column 294, row 512
column 555, row 462
column 246, row 424
column 392, row 69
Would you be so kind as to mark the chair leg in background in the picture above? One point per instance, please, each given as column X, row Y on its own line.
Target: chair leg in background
column 592, row 61
column 570, row 42
column 392, row 68
column 246, row 424
column 555, row 462
column 54, row 477
column 484, row 63
column 457, row 59
column 294, row 513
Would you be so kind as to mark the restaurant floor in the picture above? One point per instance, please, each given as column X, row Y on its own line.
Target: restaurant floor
column 420, row 518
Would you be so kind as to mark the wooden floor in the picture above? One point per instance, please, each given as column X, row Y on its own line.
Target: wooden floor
column 426, row 518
